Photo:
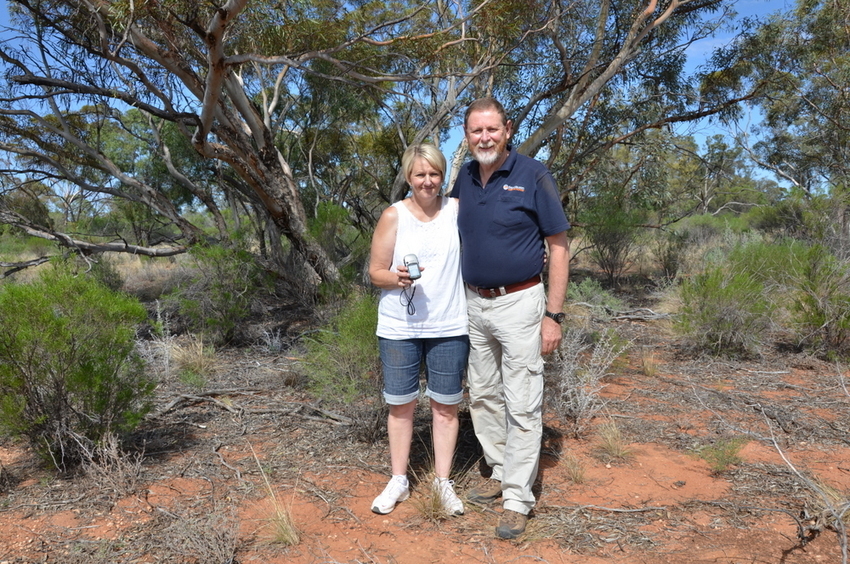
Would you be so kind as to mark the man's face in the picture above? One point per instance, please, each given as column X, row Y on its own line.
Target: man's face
column 487, row 136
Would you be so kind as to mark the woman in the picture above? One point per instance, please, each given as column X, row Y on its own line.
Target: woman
column 421, row 318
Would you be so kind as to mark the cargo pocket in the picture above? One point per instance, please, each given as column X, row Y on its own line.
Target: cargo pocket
column 534, row 387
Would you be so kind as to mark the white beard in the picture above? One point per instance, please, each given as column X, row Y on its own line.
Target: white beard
column 487, row 158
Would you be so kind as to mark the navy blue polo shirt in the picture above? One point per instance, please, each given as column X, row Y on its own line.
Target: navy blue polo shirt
column 504, row 224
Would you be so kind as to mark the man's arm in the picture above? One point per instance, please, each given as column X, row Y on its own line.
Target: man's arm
column 559, row 274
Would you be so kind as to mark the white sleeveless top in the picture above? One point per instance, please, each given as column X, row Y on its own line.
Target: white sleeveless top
column 439, row 301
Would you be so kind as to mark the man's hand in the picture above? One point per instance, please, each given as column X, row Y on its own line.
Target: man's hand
column 550, row 332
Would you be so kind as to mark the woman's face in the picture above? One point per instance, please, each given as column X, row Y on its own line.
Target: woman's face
column 425, row 179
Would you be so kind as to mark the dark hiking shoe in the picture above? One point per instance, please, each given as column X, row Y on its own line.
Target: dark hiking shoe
column 511, row 525
column 485, row 493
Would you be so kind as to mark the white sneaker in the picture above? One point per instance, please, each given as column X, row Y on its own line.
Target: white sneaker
column 451, row 503
column 396, row 491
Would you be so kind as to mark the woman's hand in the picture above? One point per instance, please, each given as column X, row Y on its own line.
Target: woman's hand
column 403, row 274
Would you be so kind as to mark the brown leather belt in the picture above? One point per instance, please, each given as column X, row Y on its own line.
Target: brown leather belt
column 504, row 290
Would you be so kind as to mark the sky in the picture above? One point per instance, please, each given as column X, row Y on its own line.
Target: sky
column 699, row 51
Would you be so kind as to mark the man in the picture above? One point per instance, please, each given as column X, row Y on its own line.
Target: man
column 509, row 207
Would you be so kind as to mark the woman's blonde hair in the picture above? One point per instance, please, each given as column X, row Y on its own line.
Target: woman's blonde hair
column 425, row 151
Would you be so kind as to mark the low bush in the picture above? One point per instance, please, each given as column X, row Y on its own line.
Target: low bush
column 821, row 307
column 575, row 376
column 613, row 232
column 589, row 292
column 669, row 249
column 342, row 361
column 722, row 454
column 219, row 292
column 725, row 311
column 69, row 370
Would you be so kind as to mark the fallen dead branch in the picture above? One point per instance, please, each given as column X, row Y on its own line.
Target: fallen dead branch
column 832, row 515
column 313, row 412
column 637, row 314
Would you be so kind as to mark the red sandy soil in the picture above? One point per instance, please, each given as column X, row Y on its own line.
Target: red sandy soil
column 201, row 495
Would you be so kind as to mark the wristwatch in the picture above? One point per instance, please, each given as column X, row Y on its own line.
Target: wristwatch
column 557, row 317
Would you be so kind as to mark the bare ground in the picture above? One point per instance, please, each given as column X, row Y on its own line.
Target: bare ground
column 198, row 493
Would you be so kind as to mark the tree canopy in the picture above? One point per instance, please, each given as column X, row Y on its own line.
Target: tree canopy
column 155, row 126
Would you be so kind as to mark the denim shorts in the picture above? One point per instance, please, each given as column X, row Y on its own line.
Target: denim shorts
column 445, row 362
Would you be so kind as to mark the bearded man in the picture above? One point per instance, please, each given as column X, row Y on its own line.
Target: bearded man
column 510, row 212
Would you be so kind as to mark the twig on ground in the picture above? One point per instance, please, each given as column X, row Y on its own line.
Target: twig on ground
column 224, row 462
column 830, row 508
column 618, row 510
column 44, row 504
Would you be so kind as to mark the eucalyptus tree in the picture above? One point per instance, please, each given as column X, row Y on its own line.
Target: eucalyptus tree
column 290, row 106
column 804, row 138
column 608, row 74
column 223, row 76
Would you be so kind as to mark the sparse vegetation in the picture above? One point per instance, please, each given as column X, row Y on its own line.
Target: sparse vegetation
column 195, row 361
column 576, row 373
column 342, row 360
column 722, row 454
column 69, row 371
column 610, row 446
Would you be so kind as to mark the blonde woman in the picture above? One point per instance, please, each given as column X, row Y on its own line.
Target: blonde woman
column 421, row 317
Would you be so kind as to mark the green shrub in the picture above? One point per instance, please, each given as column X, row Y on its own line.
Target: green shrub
column 786, row 218
column 69, row 371
column 343, row 362
column 809, row 282
column 725, row 311
column 775, row 264
column 702, row 229
column 104, row 271
column 219, row 294
column 669, row 249
column 589, row 291
column 722, row 454
column 613, row 231
column 821, row 307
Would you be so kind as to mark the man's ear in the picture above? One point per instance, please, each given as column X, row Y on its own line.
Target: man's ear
column 509, row 128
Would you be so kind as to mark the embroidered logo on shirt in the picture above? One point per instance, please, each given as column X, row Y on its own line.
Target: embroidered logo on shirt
column 513, row 188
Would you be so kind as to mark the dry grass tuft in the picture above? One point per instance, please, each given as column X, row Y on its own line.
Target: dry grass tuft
column 195, row 362
column 280, row 523
column 575, row 469
column 426, row 499
column 611, row 446
column 648, row 362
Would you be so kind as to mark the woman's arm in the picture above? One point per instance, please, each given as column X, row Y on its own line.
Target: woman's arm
column 383, row 245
